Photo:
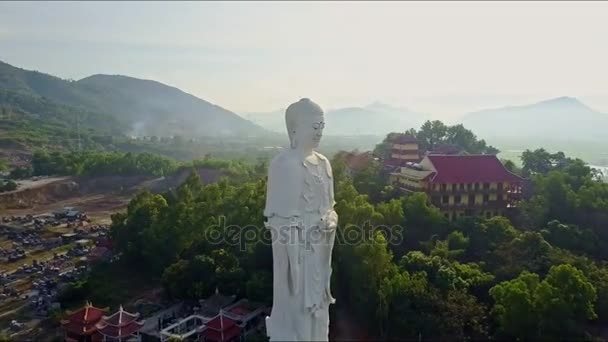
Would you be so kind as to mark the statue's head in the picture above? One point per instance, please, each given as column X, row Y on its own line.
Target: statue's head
column 304, row 120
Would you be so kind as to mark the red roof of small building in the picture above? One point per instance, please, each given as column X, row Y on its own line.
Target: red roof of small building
column 220, row 322
column 470, row 169
column 121, row 332
column 220, row 329
column 119, row 324
column 120, row 317
column 83, row 321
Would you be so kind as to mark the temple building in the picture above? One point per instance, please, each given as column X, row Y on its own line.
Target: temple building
column 219, row 319
column 221, row 329
column 249, row 316
column 462, row 185
column 404, row 148
column 80, row 325
column 121, row 326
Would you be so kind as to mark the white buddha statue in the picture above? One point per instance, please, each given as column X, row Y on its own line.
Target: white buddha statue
column 301, row 217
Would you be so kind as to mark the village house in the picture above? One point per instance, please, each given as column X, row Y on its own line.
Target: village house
column 462, row 185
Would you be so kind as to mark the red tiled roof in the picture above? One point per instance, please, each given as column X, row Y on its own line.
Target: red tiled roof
column 78, row 328
column 83, row 320
column 122, row 331
column 217, row 336
column 216, row 324
column 119, row 324
column 120, row 317
column 220, row 324
column 469, row 169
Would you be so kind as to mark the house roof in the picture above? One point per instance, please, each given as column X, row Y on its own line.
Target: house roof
column 469, row 169
column 244, row 310
column 83, row 320
column 119, row 324
column 220, row 321
column 78, row 328
column 212, row 305
column 221, row 328
column 86, row 314
column 120, row 317
column 122, row 331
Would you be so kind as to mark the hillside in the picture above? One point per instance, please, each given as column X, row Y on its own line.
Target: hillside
column 374, row 119
column 30, row 120
column 559, row 119
column 142, row 106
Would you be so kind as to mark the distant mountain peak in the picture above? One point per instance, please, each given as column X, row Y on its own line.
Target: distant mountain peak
column 563, row 101
column 134, row 101
column 381, row 106
column 560, row 118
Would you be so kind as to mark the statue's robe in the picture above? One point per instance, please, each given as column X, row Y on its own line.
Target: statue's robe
column 299, row 202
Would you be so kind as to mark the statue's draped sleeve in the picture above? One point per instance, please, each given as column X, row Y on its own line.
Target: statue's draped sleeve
column 284, row 188
column 330, row 175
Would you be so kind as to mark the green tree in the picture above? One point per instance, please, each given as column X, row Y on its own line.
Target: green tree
column 432, row 133
column 555, row 308
column 422, row 220
column 515, row 306
column 565, row 301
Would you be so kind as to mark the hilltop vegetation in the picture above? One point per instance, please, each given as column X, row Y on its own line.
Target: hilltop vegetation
column 142, row 107
column 433, row 134
column 37, row 121
column 540, row 276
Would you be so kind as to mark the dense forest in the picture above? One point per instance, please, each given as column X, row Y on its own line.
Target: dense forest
column 400, row 269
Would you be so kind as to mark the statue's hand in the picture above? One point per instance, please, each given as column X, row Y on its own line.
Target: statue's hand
column 329, row 222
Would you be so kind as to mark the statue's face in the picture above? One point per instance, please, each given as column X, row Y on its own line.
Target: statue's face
column 310, row 131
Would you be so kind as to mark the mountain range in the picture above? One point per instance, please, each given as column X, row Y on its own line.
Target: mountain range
column 125, row 105
column 558, row 119
column 141, row 107
column 374, row 119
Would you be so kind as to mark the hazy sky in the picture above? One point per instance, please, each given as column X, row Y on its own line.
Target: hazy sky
column 442, row 58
